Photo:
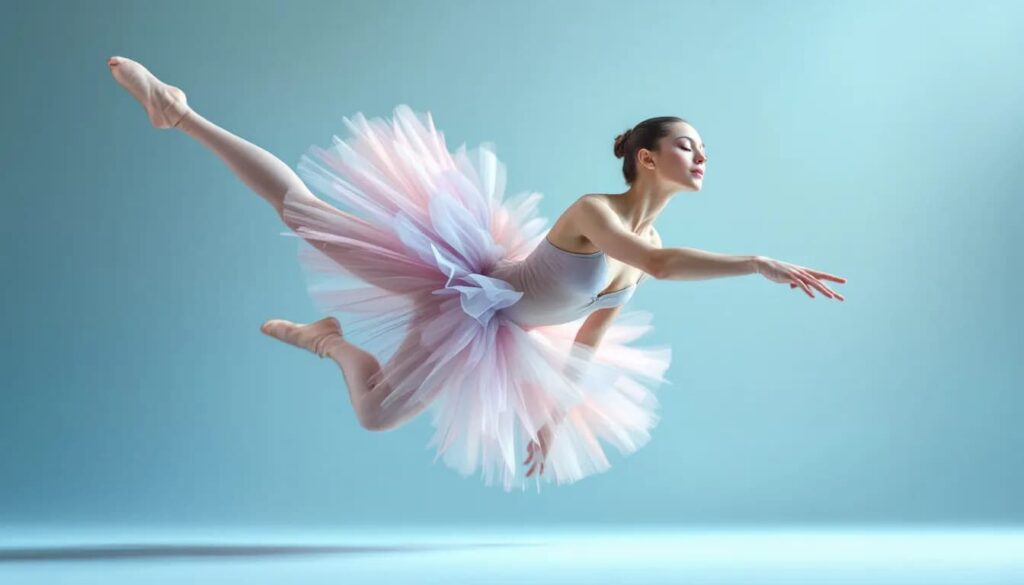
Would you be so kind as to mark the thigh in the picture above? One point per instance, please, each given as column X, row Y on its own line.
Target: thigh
column 361, row 261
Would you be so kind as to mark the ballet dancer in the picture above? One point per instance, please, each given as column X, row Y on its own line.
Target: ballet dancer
column 512, row 331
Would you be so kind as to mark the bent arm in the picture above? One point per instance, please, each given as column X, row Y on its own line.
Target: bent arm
column 589, row 336
column 595, row 326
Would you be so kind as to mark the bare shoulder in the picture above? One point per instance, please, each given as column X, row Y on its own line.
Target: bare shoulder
column 595, row 203
column 567, row 231
column 593, row 199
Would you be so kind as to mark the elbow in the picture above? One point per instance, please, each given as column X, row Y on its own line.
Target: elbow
column 656, row 265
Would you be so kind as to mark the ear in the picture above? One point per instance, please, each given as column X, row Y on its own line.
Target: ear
column 645, row 158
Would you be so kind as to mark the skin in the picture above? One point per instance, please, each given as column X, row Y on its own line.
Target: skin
column 622, row 226
column 661, row 174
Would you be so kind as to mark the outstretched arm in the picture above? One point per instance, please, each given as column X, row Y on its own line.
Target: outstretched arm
column 694, row 264
column 600, row 224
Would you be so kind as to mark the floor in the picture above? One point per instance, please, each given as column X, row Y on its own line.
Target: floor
column 450, row 555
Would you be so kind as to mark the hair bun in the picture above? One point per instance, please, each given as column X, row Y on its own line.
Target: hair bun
column 620, row 144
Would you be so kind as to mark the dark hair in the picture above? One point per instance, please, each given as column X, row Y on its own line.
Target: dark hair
column 646, row 134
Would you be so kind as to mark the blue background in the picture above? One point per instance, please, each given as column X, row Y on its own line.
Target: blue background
column 879, row 141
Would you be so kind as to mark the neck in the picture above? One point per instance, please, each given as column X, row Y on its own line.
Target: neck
column 641, row 204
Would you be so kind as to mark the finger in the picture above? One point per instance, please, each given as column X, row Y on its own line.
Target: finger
column 542, row 468
column 798, row 281
column 814, row 282
column 826, row 276
column 532, row 469
column 820, row 285
column 529, row 449
column 831, row 292
column 804, row 286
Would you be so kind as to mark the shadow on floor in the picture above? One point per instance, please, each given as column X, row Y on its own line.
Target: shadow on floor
column 165, row 551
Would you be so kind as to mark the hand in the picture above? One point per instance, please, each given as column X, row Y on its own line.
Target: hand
column 537, row 451
column 784, row 272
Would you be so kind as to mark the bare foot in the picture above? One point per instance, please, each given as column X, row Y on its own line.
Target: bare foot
column 315, row 336
column 165, row 105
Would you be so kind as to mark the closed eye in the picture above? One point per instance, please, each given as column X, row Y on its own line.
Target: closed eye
column 688, row 150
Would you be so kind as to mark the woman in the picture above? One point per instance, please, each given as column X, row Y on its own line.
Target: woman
column 487, row 317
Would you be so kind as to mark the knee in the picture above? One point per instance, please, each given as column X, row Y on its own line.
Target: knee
column 374, row 420
column 288, row 219
column 298, row 206
column 372, row 425
column 291, row 197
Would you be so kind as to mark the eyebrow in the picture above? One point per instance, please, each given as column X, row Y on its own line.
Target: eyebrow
column 688, row 138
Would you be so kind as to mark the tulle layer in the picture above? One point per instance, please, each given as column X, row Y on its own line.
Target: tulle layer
column 404, row 252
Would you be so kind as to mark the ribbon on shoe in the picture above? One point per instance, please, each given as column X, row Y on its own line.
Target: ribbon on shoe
column 481, row 296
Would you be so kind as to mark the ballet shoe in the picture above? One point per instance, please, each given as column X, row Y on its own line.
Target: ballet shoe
column 315, row 337
column 165, row 105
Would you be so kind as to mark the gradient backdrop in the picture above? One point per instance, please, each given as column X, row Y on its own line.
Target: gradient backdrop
column 880, row 141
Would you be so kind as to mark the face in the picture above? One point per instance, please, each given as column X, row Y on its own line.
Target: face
column 681, row 158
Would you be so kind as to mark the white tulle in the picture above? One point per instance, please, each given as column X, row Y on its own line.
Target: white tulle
column 408, row 257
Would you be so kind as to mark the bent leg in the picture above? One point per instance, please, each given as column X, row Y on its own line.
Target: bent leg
column 366, row 386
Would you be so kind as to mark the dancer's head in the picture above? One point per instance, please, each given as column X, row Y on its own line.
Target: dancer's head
column 663, row 151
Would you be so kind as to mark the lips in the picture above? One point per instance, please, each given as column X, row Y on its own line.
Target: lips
column 697, row 173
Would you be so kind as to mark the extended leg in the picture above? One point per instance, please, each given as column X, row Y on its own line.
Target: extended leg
column 261, row 171
column 167, row 107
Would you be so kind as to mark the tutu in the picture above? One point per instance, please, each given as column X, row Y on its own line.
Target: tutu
column 408, row 258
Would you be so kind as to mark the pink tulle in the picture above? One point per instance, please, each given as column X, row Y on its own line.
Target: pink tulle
column 407, row 257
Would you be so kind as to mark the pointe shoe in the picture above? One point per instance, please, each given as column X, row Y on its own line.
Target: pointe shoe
column 165, row 105
column 314, row 337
